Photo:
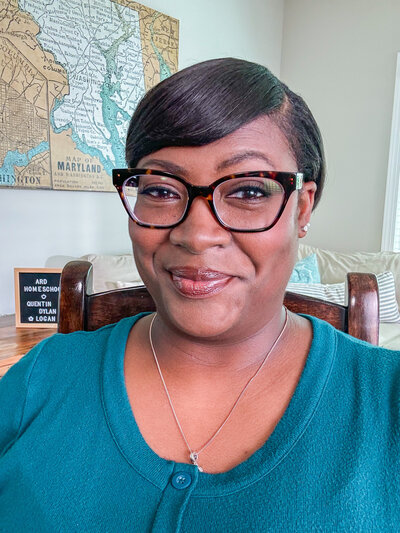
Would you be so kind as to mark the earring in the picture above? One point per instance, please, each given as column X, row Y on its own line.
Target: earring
column 306, row 227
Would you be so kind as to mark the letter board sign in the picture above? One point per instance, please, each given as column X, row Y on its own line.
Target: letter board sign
column 36, row 297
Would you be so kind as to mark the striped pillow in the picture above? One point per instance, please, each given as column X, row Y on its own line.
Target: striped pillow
column 388, row 308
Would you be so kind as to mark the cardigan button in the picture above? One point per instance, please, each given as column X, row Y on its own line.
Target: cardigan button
column 181, row 480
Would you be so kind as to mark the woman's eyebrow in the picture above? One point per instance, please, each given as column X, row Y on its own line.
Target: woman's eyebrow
column 167, row 166
column 243, row 156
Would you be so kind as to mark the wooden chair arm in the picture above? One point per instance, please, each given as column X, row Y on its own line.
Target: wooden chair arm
column 363, row 306
column 76, row 281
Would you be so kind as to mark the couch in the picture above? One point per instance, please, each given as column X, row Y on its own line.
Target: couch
column 333, row 267
column 118, row 271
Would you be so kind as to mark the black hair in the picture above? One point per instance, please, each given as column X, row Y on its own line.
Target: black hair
column 207, row 101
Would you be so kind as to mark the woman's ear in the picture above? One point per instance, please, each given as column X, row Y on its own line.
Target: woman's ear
column 305, row 205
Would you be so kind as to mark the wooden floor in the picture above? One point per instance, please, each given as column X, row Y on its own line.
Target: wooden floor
column 16, row 342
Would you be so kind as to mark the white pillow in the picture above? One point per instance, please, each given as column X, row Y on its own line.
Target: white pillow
column 111, row 269
column 111, row 285
column 388, row 308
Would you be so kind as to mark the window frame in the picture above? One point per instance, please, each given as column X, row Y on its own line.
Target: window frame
column 391, row 213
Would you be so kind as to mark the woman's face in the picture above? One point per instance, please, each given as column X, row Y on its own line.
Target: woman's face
column 209, row 282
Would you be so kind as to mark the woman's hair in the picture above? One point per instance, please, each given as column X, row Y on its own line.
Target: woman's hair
column 207, row 101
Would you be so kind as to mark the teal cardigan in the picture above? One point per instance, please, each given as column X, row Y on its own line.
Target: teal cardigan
column 72, row 457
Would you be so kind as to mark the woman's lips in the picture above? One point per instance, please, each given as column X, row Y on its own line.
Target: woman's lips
column 198, row 282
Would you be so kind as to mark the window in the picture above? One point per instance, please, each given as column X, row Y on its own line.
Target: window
column 391, row 219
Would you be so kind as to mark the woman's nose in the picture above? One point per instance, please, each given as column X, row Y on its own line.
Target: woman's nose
column 200, row 230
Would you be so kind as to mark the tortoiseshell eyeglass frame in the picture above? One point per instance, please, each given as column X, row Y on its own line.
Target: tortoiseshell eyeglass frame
column 290, row 181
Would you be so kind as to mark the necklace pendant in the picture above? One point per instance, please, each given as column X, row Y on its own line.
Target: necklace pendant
column 193, row 457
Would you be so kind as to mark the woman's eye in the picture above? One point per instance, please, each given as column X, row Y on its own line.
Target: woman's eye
column 161, row 193
column 248, row 193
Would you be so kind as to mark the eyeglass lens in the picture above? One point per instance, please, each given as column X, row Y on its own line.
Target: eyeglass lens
column 242, row 203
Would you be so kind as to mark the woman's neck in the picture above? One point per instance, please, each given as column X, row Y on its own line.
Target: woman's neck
column 180, row 353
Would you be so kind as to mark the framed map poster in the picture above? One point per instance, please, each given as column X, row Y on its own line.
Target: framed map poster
column 71, row 75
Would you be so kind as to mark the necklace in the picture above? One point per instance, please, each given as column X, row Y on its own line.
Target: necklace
column 193, row 455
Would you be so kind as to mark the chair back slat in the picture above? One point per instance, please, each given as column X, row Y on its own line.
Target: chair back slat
column 333, row 313
column 109, row 307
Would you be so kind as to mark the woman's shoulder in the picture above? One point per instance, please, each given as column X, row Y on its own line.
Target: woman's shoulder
column 67, row 353
column 368, row 367
column 351, row 346
column 368, row 355
column 60, row 351
column 57, row 367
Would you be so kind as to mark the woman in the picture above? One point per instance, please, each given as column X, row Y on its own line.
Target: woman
column 222, row 411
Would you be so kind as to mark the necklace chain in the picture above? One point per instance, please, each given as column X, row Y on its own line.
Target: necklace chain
column 193, row 455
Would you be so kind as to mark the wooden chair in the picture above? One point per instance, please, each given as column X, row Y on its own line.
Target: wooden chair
column 80, row 309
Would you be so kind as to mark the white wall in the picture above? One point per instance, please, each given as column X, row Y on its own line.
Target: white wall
column 341, row 57
column 39, row 224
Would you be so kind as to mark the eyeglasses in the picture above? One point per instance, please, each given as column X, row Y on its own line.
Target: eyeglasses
column 244, row 202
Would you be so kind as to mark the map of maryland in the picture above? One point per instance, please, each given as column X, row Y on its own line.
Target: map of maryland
column 71, row 75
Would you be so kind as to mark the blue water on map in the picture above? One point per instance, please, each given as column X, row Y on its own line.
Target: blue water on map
column 111, row 111
column 113, row 114
column 41, row 147
column 165, row 71
column 80, row 143
column 58, row 102
column 14, row 158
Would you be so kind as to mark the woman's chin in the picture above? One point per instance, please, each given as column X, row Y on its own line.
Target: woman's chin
column 201, row 319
